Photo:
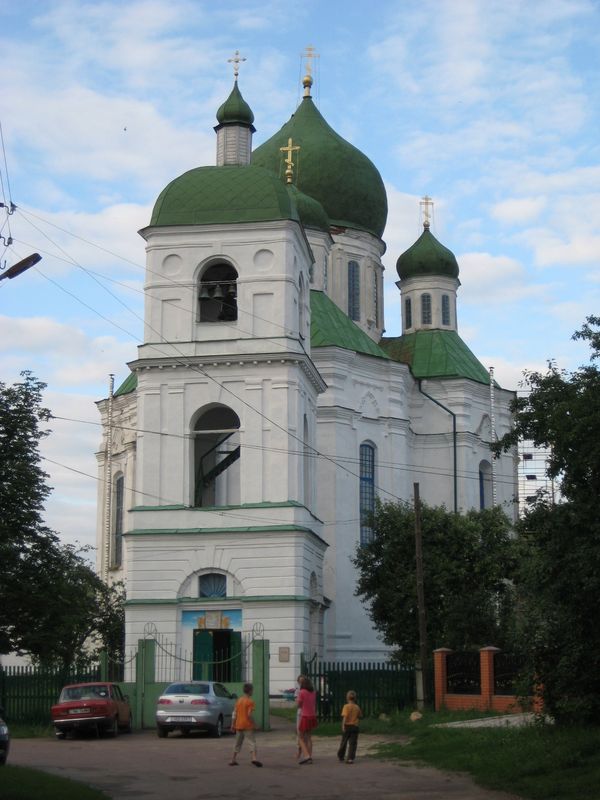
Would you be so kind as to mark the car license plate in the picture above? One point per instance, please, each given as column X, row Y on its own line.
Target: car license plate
column 79, row 711
column 181, row 719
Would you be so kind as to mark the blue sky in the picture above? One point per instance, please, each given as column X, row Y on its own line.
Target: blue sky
column 490, row 107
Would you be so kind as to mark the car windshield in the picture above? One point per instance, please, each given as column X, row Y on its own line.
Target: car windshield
column 187, row 688
column 92, row 692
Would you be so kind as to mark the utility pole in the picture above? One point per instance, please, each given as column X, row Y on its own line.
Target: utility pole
column 422, row 663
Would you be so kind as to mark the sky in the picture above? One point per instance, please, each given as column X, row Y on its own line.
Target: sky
column 491, row 107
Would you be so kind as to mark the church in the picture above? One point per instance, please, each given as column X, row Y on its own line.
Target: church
column 266, row 410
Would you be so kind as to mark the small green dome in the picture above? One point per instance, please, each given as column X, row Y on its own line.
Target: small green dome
column 329, row 169
column 235, row 109
column 311, row 212
column 213, row 195
column 427, row 256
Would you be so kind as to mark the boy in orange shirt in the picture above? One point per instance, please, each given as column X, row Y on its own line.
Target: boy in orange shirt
column 351, row 713
column 243, row 725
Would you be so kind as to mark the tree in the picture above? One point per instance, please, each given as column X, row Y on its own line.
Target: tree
column 51, row 601
column 558, row 575
column 467, row 560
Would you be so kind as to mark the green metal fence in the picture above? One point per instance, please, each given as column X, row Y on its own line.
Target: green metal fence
column 381, row 687
column 26, row 693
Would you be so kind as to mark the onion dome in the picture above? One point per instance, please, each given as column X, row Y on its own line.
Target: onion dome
column 235, row 110
column 214, row 195
column 329, row 169
column 311, row 212
column 427, row 256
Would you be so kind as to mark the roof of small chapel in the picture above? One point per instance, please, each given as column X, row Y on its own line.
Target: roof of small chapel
column 329, row 169
column 213, row 195
column 435, row 354
column 427, row 256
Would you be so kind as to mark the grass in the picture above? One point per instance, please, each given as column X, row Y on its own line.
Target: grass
column 21, row 783
column 32, row 730
column 538, row 761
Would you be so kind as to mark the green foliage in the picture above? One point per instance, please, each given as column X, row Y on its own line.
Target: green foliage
column 51, row 600
column 467, row 561
column 558, row 576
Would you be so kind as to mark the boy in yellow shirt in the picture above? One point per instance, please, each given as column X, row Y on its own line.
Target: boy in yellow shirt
column 351, row 713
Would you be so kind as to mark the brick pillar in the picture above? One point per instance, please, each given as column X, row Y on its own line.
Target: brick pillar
column 439, row 672
column 486, row 665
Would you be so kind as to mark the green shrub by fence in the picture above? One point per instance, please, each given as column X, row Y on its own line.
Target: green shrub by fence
column 380, row 687
column 26, row 693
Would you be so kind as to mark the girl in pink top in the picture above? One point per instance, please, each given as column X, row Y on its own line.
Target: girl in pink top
column 307, row 703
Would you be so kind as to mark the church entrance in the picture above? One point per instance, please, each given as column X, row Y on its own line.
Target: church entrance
column 217, row 655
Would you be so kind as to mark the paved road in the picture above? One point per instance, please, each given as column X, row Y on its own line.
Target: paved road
column 145, row 767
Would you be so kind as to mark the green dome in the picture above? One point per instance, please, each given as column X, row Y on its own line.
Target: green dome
column 329, row 169
column 427, row 257
column 213, row 195
column 235, row 109
column 311, row 212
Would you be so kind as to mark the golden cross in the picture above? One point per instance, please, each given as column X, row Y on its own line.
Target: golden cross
column 309, row 54
column 236, row 60
column 291, row 147
column 427, row 205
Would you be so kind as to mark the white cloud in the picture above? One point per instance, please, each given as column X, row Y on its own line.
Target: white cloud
column 518, row 210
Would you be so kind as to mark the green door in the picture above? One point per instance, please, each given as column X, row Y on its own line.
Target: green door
column 203, row 656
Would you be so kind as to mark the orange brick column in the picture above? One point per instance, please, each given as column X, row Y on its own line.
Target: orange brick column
column 486, row 665
column 439, row 671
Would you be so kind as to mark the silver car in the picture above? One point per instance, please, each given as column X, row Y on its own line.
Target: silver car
column 194, row 705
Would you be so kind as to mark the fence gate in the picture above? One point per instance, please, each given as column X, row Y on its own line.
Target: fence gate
column 381, row 687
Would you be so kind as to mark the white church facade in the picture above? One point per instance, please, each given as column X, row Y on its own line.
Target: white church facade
column 265, row 410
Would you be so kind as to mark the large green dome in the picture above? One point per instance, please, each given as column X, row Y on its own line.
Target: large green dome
column 311, row 212
column 427, row 256
column 329, row 169
column 213, row 195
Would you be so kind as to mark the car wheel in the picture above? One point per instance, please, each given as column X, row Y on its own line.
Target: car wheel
column 113, row 729
column 127, row 728
column 217, row 731
column 161, row 732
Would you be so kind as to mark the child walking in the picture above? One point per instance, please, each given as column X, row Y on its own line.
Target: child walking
column 242, row 723
column 307, row 703
column 351, row 713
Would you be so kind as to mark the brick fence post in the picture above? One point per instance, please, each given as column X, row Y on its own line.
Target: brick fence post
column 439, row 671
column 486, row 665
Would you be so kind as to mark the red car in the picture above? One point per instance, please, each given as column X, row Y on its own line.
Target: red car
column 96, row 706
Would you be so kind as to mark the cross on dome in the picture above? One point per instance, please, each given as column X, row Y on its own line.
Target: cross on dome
column 426, row 204
column 289, row 149
column 236, row 61
column 309, row 54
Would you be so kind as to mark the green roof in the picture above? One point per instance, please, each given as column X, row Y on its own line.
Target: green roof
column 214, row 195
column 427, row 256
column 330, row 327
column 330, row 169
column 129, row 385
column 436, row 354
column 235, row 109
column 311, row 212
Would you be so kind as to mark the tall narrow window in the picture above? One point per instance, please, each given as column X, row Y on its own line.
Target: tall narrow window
column 367, row 491
column 301, row 306
column 353, row 290
column 425, row 309
column 306, row 466
column 408, row 313
column 117, row 558
column 485, row 484
column 216, row 457
column 217, row 294
column 445, row 310
column 375, row 299
column 325, row 274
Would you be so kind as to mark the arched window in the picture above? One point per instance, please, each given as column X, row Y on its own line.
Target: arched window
column 353, row 290
column 367, row 491
column 217, row 294
column 425, row 309
column 213, row 584
column 485, row 484
column 216, row 453
column 119, row 495
column 445, row 310
column 408, row 313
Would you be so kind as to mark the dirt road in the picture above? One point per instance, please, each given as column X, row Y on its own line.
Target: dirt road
column 142, row 766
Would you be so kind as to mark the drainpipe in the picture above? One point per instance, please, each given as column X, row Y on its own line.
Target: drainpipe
column 454, row 449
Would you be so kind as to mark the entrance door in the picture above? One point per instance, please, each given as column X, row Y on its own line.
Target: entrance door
column 217, row 655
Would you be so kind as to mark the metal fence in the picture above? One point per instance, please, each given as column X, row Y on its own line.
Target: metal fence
column 381, row 687
column 27, row 693
column 508, row 670
column 463, row 673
